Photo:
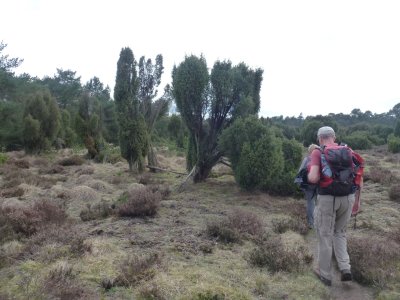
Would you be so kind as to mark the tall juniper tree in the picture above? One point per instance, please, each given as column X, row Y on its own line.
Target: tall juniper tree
column 209, row 103
column 132, row 127
column 151, row 109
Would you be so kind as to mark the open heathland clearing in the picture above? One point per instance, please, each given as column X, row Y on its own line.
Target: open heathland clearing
column 74, row 229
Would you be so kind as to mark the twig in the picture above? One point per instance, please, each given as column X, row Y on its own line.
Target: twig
column 182, row 185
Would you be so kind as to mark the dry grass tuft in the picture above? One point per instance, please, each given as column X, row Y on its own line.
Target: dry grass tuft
column 9, row 253
column 151, row 291
column 139, row 203
column 14, row 177
column 60, row 283
column 374, row 260
column 83, row 193
column 54, row 169
column 22, row 163
column 294, row 224
column 74, row 160
column 85, row 170
column 135, row 269
column 98, row 185
column 39, row 162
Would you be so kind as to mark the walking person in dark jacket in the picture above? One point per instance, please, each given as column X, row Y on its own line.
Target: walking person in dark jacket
column 309, row 189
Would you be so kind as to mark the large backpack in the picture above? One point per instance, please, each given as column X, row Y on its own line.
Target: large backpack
column 340, row 170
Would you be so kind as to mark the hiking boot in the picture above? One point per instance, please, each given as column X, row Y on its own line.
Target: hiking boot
column 346, row 275
column 324, row 280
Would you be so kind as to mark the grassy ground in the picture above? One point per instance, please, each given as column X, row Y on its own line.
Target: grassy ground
column 174, row 254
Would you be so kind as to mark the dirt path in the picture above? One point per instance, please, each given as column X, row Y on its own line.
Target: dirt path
column 340, row 290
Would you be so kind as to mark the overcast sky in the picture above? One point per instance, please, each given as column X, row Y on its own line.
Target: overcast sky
column 318, row 56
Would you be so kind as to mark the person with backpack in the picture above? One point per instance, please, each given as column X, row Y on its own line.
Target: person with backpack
column 335, row 169
column 310, row 190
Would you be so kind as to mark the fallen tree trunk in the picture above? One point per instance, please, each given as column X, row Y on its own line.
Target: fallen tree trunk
column 154, row 168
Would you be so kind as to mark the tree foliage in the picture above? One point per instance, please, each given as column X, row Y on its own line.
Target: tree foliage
column 209, row 103
column 261, row 159
column 394, row 143
column 65, row 87
column 11, row 123
column 89, row 125
column 41, row 122
column 7, row 80
column 7, row 63
column 312, row 124
column 132, row 127
column 152, row 109
column 397, row 128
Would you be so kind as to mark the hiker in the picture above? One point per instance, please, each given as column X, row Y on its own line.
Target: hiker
column 334, row 204
column 310, row 190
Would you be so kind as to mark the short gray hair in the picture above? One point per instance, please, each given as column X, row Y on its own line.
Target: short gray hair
column 326, row 132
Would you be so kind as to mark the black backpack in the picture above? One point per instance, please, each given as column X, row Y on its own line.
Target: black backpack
column 337, row 171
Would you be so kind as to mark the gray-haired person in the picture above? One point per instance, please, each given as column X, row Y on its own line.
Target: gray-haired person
column 332, row 213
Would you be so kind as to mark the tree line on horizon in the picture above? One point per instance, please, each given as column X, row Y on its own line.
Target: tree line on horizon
column 217, row 119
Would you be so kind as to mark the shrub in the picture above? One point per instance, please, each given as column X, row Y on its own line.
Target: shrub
column 394, row 193
column 163, row 189
column 135, row 269
column 145, row 178
column 394, row 144
column 22, row 163
column 223, row 232
column 140, row 202
column 55, row 169
column 60, row 235
column 232, row 228
column 358, row 141
column 27, row 220
column 272, row 253
column 242, row 131
column 245, row 222
column 14, row 177
column 395, row 235
column 12, row 192
column 95, row 212
column 60, row 283
column 294, row 224
column 209, row 295
column 41, row 122
column 3, row 158
column 260, row 164
column 74, row 160
column 380, row 175
column 377, row 265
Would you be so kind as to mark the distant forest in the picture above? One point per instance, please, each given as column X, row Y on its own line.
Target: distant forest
column 38, row 114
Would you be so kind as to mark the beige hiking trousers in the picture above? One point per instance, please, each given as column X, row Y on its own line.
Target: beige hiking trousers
column 331, row 216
